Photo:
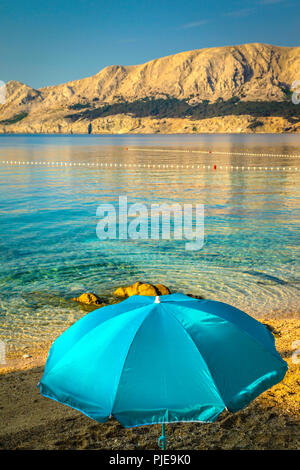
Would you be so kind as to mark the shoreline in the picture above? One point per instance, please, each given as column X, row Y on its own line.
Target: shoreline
column 36, row 355
column 272, row 421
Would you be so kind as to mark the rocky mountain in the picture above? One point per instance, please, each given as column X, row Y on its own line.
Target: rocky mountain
column 250, row 82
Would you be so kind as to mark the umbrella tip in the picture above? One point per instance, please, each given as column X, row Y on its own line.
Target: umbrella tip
column 157, row 300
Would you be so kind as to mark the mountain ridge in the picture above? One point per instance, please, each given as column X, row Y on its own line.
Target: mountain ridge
column 249, row 72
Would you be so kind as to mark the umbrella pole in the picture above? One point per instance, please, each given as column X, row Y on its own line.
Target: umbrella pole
column 162, row 439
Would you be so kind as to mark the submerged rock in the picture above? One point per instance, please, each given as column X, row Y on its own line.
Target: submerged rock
column 141, row 288
column 89, row 299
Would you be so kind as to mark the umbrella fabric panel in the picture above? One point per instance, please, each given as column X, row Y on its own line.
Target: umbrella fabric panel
column 165, row 378
column 87, row 376
column 86, row 324
column 245, row 322
column 241, row 366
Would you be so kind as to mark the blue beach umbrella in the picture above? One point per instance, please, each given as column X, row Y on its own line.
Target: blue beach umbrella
column 167, row 359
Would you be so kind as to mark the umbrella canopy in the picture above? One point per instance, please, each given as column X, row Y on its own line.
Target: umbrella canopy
column 169, row 359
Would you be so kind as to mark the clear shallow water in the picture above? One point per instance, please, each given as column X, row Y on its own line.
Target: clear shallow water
column 49, row 250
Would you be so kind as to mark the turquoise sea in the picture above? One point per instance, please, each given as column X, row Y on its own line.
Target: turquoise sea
column 49, row 250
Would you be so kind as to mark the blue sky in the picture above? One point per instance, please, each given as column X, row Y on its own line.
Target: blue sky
column 50, row 42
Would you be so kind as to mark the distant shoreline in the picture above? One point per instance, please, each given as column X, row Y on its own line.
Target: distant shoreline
column 122, row 135
column 126, row 124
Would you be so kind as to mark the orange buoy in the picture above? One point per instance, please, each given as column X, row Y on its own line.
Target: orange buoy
column 215, row 167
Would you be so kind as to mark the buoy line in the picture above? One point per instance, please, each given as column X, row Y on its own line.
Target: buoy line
column 215, row 152
column 147, row 165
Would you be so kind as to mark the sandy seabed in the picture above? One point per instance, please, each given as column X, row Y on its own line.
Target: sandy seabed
column 30, row 421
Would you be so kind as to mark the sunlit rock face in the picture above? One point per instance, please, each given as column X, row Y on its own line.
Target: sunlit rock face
column 250, row 72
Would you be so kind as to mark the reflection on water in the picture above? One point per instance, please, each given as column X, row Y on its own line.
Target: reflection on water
column 49, row 251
